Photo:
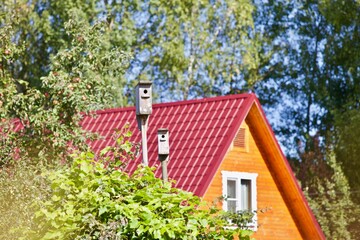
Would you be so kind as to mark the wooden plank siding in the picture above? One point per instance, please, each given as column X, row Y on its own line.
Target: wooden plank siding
column 276, row 221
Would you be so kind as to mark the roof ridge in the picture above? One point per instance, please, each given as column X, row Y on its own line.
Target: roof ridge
column 177, row 103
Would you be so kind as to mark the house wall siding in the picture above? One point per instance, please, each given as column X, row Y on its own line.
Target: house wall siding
column 276, row 221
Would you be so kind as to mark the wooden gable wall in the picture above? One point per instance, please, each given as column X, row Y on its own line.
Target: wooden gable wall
column 276, row 221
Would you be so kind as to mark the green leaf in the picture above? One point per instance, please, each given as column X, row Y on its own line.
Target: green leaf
column 203, row 222
column 134, row 224
column 102, row 210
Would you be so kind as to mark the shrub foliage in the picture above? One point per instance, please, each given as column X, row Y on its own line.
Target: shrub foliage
column 95, row 199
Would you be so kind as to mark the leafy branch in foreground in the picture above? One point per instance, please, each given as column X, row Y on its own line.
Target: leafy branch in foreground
column 93, row 199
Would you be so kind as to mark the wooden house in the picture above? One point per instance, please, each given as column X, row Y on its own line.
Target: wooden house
column 223, row 146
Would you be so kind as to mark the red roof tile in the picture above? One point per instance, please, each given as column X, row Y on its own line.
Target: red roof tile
column 201, row 132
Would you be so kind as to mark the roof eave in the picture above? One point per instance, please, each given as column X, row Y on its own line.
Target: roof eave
column 291, row 191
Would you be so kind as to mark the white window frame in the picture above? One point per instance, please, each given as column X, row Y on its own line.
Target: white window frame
column 238, row 176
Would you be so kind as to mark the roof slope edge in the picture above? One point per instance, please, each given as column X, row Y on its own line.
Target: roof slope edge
column 285, row 178
column 245, row 108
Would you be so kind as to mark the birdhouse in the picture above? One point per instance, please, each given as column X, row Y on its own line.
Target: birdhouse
column 144, row 98
column 163, row 141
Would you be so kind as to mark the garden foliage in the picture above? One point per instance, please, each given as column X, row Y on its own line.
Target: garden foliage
column 95, row 198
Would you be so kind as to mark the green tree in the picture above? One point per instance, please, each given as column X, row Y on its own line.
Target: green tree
column 327, row 190
column 198, row 48
column 48, row 119
column 318, row 62
column 344, row 88
column 316, row 91
column 42, row 29
column 330, row 200
column 294, row 90
column 348, row 150
column 190, row 48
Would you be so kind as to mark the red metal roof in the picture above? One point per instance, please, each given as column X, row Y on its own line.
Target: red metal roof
column 201, row 132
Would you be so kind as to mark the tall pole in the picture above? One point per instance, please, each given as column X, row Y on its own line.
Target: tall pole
column 144, row 141
column 143, row 102
column 164, row 169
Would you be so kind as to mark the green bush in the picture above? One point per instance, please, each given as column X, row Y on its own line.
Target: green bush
column 94, row 199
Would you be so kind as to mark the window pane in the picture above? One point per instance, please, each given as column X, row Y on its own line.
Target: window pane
column 231, row 188
column 231, row 205
column 245, row 194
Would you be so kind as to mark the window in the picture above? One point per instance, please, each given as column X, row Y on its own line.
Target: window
column 239, row 190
